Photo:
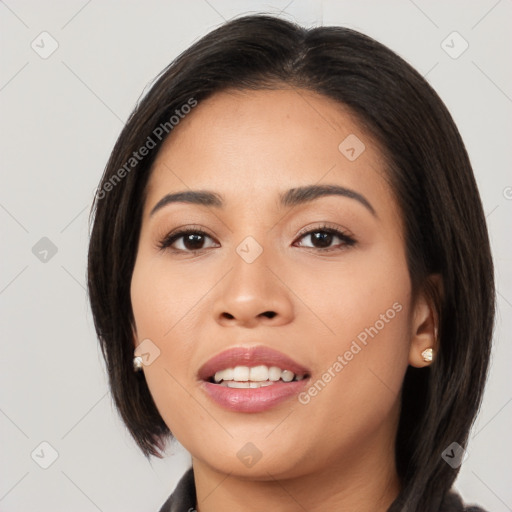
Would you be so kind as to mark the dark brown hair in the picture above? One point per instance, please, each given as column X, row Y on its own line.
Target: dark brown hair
column 432, row 179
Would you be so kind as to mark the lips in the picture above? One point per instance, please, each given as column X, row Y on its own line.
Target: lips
column 250, row 357
column 252, row 379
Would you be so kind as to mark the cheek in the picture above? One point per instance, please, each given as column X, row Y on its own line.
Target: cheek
column 356, row 390
column 368, row 361
column 363, row 363
column 169, row 308
column 164, row 298
column 365, row 298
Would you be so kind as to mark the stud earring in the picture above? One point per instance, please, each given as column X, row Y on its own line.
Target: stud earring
column 137, row 363
column 428, row 355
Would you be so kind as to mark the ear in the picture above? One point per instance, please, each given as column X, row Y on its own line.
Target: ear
column 425, row 322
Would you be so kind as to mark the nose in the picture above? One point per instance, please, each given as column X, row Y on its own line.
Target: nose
column 253, row 294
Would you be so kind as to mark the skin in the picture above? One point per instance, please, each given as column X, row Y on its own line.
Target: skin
column 337, row 451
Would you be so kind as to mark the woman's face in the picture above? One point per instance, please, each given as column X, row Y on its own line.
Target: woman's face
column 312, row 281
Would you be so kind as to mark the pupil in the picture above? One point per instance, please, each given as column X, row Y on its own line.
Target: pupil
column 193, row 241
column 322, row 239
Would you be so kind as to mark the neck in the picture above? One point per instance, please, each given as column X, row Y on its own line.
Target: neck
column 365, row 480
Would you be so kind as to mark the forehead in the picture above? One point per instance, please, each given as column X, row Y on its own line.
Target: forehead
column 243, row 143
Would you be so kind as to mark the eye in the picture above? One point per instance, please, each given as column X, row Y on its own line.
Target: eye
column 323, row 238
column 326, row 238
column 189, row 240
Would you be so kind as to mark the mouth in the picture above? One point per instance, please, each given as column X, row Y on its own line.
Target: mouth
column 252, row 379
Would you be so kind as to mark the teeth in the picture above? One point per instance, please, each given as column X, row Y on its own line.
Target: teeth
column 226, row 374
column 287, row 375
column 240, row 385
column 241, row 373
column 258, row 373
column 255, row 377
column 274, row 373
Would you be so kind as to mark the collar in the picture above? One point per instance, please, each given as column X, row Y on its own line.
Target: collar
column 183, row 499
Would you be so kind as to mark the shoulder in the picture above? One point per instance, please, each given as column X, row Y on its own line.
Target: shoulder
column 183, row 499
column 454, row 503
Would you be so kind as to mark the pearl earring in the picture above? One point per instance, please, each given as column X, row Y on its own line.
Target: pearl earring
column 137, row 363
column 428, row 355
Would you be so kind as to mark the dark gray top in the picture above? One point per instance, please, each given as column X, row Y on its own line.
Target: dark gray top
column 183, row 499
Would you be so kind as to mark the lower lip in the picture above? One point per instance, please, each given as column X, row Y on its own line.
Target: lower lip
column 253, row 399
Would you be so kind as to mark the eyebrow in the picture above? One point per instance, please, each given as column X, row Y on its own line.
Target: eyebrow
column 290, row 198
column 200, row 197
column 300, row 195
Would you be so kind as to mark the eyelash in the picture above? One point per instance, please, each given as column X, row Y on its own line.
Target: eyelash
column 346, row 240
column 167, row 241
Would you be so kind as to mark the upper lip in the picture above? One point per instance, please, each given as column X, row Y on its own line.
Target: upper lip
column 249, row 356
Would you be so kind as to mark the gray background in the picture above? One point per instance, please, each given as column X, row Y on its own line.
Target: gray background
column 60, row 117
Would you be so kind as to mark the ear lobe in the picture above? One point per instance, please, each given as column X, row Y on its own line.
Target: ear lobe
column 424, row 340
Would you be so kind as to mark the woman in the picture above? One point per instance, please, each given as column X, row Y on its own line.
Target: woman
column 289, row 270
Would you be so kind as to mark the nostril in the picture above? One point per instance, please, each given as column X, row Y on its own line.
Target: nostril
column 268, row 314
